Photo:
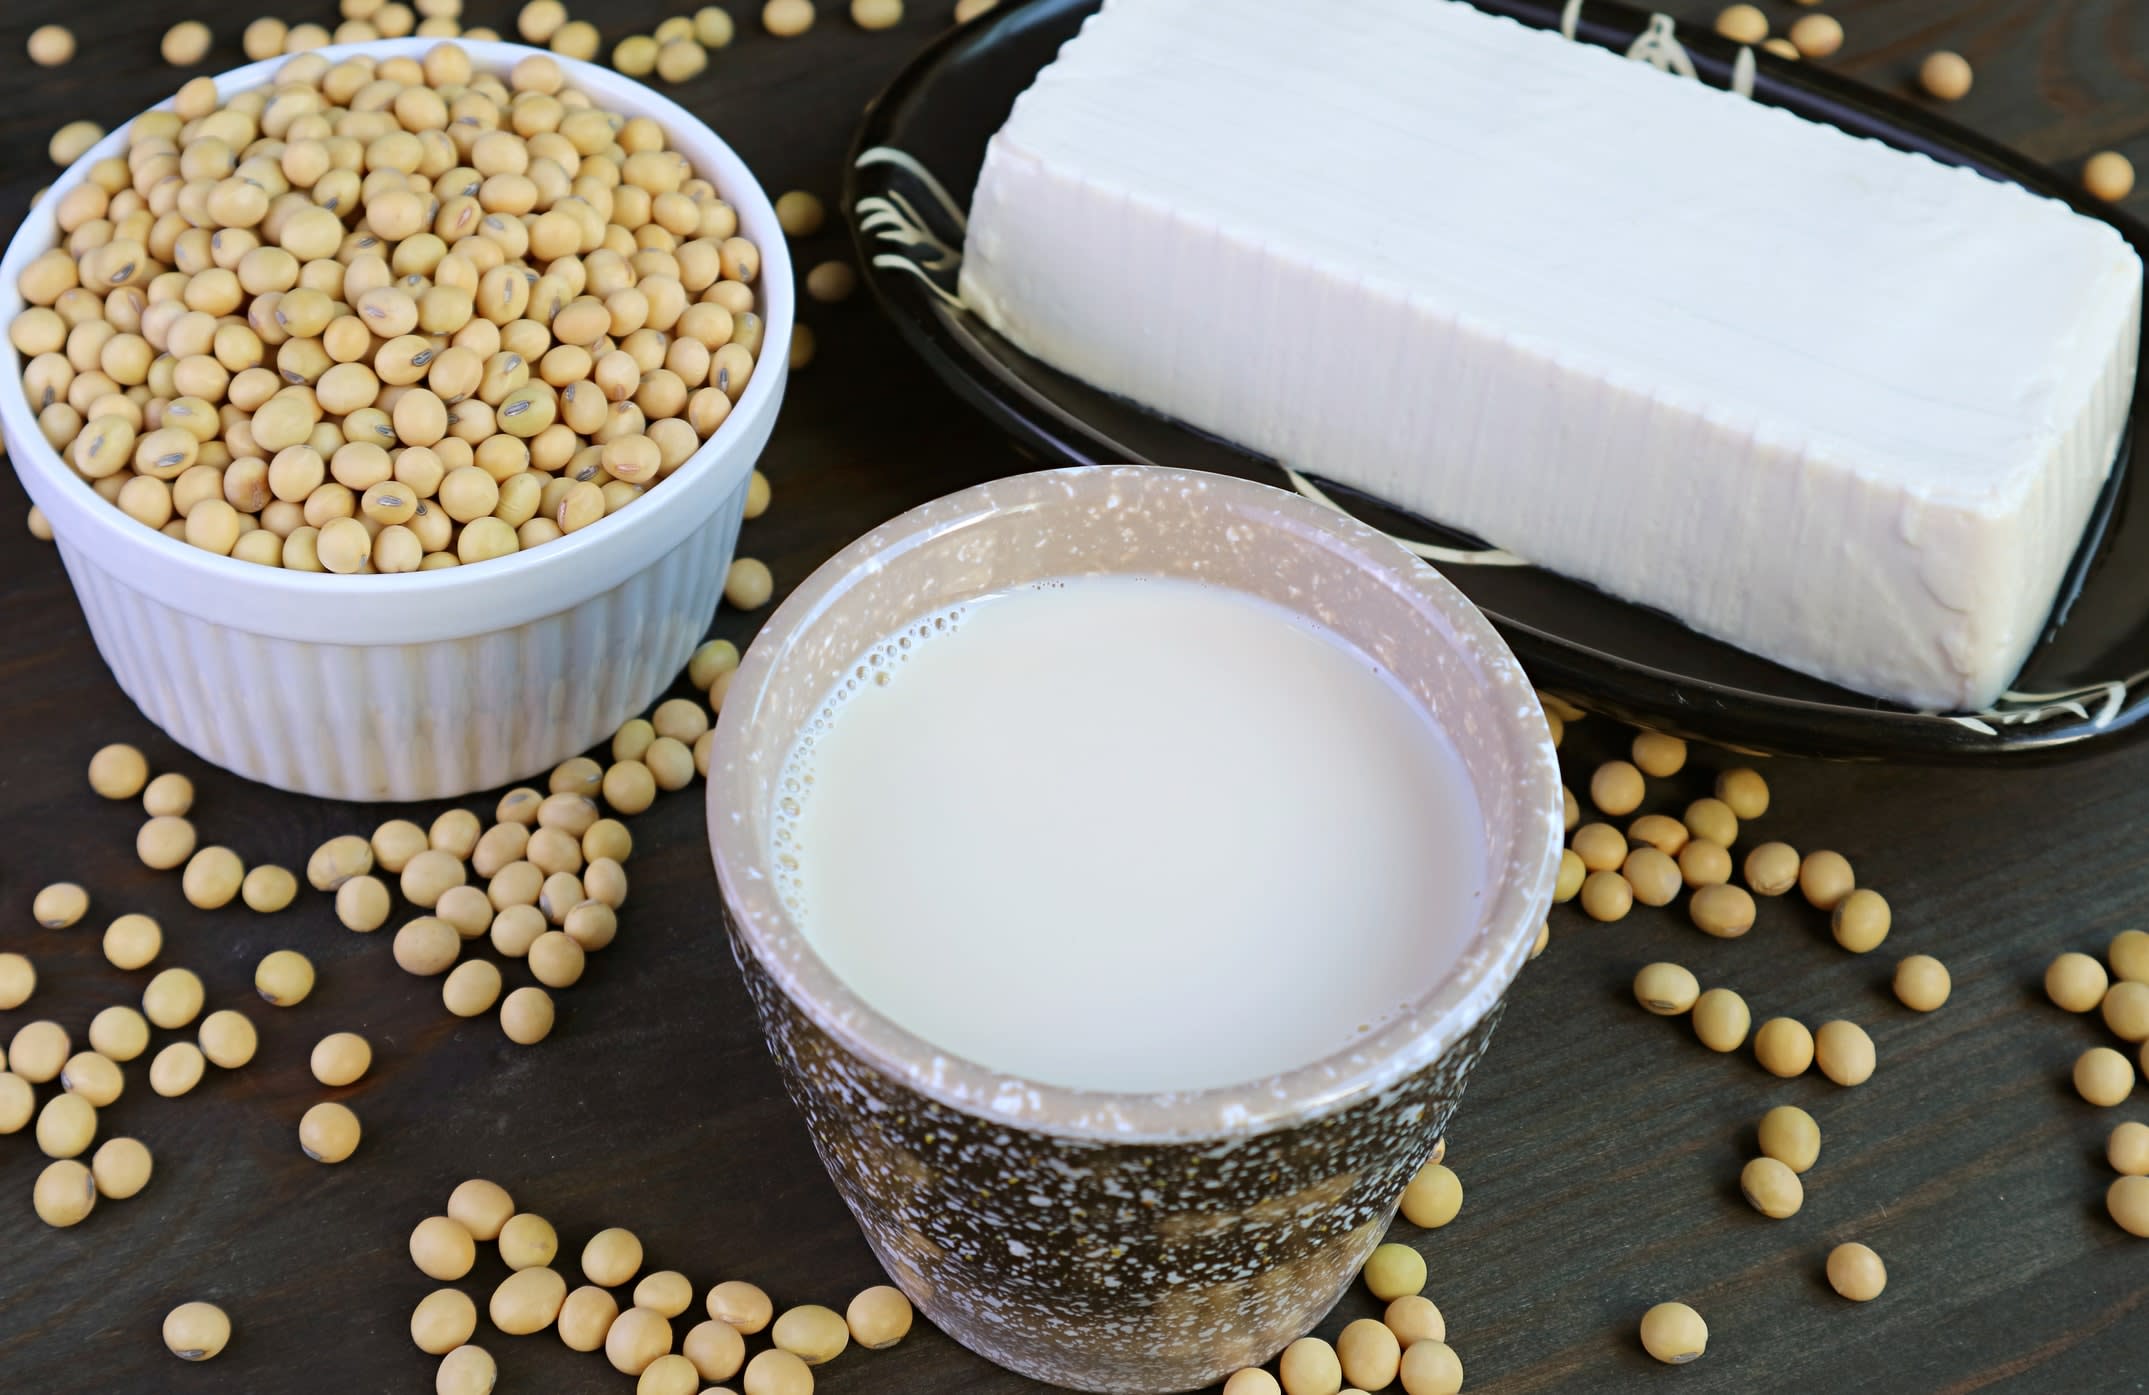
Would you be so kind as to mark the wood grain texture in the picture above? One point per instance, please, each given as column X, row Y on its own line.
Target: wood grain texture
column 1599, row 1147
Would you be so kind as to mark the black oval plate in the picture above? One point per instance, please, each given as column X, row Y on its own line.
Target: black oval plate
column 915, row 162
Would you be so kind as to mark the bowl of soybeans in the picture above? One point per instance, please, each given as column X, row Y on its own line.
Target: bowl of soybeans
column 341, row 378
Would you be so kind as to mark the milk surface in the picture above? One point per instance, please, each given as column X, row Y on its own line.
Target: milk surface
column 1129, row 834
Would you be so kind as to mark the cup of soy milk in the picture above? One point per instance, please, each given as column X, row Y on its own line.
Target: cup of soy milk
column 1127, row 865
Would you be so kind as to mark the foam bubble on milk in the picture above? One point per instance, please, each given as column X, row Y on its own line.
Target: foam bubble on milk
column 1127, row 833
column 876, row 669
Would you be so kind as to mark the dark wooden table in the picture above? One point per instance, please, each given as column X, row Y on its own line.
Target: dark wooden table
column 1599, row 1146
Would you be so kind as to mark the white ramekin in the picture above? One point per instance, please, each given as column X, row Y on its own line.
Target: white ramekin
column 424, row 685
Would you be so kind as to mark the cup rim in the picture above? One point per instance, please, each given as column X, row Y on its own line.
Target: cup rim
column 1407, row 1044
column 418, row 606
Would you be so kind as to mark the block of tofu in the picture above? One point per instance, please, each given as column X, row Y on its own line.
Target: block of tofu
column 1842, row 406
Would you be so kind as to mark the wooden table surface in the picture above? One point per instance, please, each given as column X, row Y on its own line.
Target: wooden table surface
column 1599, row 1146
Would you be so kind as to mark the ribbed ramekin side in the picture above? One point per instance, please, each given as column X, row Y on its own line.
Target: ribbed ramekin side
column 433, row 720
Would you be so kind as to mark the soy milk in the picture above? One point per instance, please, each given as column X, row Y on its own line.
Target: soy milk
column 1129, row 834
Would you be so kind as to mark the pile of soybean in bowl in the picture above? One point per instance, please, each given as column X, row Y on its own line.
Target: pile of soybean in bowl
column 387, row 316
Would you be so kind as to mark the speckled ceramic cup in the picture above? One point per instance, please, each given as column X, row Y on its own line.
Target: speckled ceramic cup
column 1111, row 1242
